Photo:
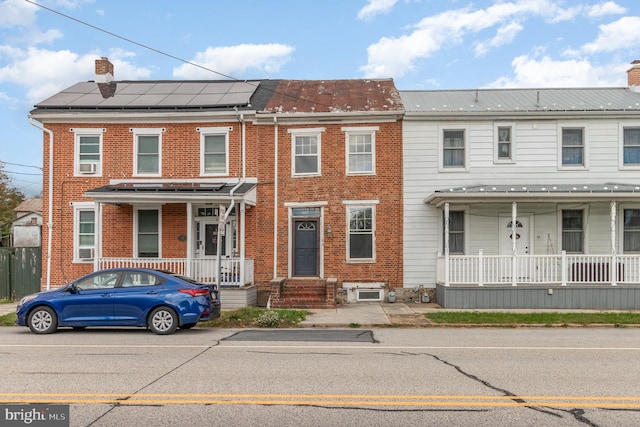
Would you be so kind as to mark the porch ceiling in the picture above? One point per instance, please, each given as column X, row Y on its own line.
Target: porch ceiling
column 529, row 193
column 172, row 192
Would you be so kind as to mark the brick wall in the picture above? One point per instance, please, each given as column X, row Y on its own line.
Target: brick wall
column 181, row 160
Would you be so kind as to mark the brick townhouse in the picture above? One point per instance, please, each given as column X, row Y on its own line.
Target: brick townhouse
column 283, row 192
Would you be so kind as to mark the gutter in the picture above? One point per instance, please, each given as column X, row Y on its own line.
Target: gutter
column 50, row 201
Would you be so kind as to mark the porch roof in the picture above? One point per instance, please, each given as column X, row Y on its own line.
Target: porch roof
column 537, row 192
column 172, row 192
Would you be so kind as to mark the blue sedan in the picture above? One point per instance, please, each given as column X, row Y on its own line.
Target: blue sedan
column 159, row 300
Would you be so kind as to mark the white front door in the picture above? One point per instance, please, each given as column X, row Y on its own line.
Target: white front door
column 522, row 234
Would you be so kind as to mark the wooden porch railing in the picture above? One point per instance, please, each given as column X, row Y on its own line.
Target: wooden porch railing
column 560, row 269
column 202, row 270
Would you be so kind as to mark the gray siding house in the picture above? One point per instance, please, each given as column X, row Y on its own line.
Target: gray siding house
column 524, row 198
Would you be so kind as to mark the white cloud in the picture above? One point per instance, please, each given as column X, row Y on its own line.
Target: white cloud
column 546, row 72
column 16, row 13
column 506, row 34
column 376, row 7
column 603, row 9
column 235, row 61
column 394, row 57
column 44, row 72
column 621, row 34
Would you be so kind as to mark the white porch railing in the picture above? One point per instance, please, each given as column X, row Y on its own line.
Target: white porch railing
column 202, row 270
column 560, row 269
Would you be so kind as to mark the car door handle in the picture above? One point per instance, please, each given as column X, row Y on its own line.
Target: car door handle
column 152, row 293
column 106, row 295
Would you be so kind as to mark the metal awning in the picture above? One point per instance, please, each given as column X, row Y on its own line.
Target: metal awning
column 173, row 192
column 535, row 193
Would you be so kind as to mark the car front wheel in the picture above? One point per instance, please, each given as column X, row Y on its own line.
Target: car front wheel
column 43, row 320
column 163, row 321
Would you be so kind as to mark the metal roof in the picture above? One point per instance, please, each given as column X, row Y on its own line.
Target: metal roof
column 153, row 95
column 494, row 193
column 521, row 100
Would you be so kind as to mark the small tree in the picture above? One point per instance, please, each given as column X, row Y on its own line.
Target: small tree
column 10, row 198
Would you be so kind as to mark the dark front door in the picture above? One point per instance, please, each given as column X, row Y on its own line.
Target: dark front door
column 305, row 261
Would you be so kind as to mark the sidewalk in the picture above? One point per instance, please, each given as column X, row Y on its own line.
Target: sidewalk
column 370, row 314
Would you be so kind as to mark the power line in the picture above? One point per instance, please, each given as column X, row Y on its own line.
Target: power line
column 185, row 61
column 130, row 40
column 18, row 164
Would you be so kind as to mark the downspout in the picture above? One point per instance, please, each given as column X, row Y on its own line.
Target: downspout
column 50, row 204
column 227, row 212
column 275, row 198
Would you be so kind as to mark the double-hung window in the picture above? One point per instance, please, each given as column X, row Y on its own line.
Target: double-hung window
column 361, row 144
column 147, row 151
column 573, row 230
column 306, row 150
column 573, row 147
column 361, row 221
column 504, row 144
column 147, row 230
column 453, row 148
column 456, row 232
column 88, row 149
column 631, row 238
column 84, row 232
column 214, row 150
column 631, row 146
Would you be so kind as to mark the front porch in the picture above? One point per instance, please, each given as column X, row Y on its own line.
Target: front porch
column 561, row 281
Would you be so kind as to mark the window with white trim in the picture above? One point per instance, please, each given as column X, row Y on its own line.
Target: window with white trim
column 84, row 232
column 573, row 230
column 631, row 146
column 631, row 230
column 88, row 150
column 504, row 144
column 361, row 143
column 147, row 143
column 361, row 233
column 306, row 151
column 572, row 146
column 456, row 232
column 214, row 150
column 453, row 148
column 147, row 233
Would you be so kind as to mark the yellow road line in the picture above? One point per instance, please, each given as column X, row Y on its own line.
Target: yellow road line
column 612, row 402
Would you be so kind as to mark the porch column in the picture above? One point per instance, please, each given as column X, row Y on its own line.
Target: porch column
column 187, row 268
column 446, row 244
column 241, row 242
column 614, row 252
column 514, row 242
column 97, row 243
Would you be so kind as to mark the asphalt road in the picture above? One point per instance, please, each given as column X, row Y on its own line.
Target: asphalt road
column 336, row 377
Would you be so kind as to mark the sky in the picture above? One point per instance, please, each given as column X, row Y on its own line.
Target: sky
column 49, row 45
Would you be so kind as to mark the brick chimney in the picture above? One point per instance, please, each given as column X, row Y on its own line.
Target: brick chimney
column 633, row 76
column 104, row 70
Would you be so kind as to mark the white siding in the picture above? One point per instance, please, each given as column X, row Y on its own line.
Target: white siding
column 537, row 149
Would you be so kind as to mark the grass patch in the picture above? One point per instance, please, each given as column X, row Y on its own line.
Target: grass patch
column 8, row 319
column 563, row 319
column 255, row 317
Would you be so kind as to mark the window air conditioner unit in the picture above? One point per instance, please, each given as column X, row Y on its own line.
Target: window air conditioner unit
column 87, row 167
column 85, row 253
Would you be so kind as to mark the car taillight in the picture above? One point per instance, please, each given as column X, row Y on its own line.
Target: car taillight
column 195, row 292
